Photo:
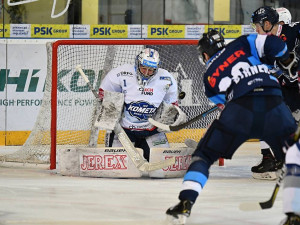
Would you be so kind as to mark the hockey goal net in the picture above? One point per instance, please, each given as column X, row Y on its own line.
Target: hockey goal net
column 68, row 110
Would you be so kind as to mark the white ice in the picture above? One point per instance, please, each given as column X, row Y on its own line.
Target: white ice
column 35, row 195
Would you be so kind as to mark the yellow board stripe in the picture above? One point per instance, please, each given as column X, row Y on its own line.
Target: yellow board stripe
column 82, row 137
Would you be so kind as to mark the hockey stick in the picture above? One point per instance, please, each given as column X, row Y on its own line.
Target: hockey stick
column 135, row 156
column 86, row 79
column 133, row 153
column 180, row 126
column 252, row 206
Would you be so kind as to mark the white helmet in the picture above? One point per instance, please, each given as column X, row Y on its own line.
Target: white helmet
column 146, row 63
column 284, row 15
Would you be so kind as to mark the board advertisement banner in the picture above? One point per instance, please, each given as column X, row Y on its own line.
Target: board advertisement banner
column 22, row 80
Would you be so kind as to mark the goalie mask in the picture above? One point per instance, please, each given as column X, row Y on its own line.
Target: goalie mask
column 284, row 15
column 146, row 64
column 210, row 43
column 262, row 14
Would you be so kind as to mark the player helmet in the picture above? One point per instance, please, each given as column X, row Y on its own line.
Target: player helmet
column 146, row 63
column 210, row 43
column 284, row 15
column 262, row 14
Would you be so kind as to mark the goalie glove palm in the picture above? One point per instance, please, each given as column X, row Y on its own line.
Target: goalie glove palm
column 169, row 114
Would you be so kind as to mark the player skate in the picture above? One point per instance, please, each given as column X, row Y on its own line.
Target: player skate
column 178, row 214
column 267, row 168
column 291, row 219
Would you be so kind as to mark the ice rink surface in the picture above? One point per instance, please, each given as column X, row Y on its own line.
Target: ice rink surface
column 35, row 195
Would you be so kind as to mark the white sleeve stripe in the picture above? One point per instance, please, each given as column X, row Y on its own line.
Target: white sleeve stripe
column 191, row 185
column 260, row 42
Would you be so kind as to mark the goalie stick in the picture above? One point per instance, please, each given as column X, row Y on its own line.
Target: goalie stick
column 181, row 126
column 252, row 206
column 133, row 153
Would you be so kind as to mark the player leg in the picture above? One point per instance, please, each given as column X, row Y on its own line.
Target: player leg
column 291, row 189
column 243, row 118
column 266, row 169
column 220, row 141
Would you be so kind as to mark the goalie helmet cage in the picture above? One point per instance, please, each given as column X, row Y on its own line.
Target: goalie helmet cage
column 73, row 106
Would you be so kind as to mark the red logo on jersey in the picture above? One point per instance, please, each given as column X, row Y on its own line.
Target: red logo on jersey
column 212, row 79
column 283, row 37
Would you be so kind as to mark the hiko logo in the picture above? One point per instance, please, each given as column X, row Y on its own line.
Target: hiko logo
column 141, row 110
column 34, row 80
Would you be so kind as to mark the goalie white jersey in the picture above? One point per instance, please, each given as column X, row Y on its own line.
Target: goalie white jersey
column 141, row 101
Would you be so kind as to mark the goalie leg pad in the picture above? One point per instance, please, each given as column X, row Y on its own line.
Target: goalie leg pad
column 97, row 162
column 158, row 141
column 178, row 169
column 111, row 110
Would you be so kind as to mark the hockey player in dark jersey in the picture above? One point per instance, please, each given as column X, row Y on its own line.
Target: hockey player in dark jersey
column 254, row 108
column 285, row 16
column 266, row 20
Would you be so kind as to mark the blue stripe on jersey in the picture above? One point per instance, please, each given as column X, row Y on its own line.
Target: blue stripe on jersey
column 254, row 59
column 195, row 176
column 281, row 53
column 273, row 78
column 220, row 98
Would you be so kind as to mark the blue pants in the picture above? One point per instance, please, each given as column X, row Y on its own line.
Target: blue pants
column 250, row 117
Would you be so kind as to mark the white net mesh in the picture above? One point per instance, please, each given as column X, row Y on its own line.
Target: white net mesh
column 76, row 104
